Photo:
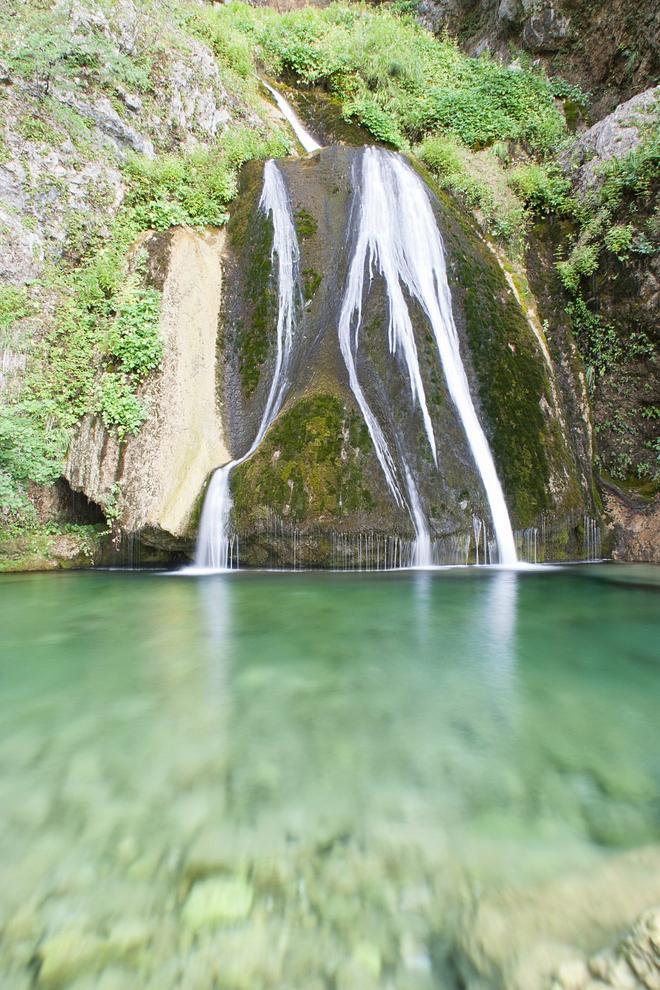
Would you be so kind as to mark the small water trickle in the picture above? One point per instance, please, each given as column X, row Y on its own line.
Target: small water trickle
column 307, row 141
column 476, row 529
column 217, row 547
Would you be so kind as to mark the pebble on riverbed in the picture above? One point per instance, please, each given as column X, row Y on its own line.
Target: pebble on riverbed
column 217, row 901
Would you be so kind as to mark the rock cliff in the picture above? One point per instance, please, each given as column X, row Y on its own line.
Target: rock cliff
column 151, row 483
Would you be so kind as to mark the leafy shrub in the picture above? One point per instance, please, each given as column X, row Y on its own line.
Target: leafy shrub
column 618, row 239
column 543, row 188
column 194, row 189
column 118, row 404
column 14, row 305
column 367, row 111
column 133, row 337
column 440, row 154
column 598, row 342
column 582, row 262
column 31, row 449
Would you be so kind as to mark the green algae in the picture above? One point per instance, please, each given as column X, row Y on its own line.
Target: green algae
column 309, row 467
column 306, row 225
column 311, row 281
column 251, row 235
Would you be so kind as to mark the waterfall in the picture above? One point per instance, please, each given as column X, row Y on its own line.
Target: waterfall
column 217, row 549
column 397, row 236
column 301, row 132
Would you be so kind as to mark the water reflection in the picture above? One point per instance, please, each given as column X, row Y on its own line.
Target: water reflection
column 499, row 658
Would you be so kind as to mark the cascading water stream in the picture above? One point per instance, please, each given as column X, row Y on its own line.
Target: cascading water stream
column 301, row 132
column 397, row 235
column 214, row 543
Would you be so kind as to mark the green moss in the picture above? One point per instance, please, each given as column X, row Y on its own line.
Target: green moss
column 257, row 327
column 309, row 467
column 311, row 282
column 35, row 549
column 306, row 225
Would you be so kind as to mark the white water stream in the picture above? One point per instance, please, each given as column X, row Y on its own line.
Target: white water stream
column 215, row 547
column 301, row 132
column 397, row 235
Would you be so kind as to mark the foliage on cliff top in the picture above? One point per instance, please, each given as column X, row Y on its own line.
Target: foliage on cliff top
column 395, row 78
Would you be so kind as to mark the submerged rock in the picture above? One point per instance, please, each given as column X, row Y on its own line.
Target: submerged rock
column 537, row 937
column 217, row 901
column 633, row 964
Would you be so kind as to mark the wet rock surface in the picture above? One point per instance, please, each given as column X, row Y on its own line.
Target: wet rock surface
column 291, row 490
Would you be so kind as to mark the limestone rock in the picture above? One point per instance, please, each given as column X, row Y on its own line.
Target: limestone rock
column 633, row 964
column 535, row 938
column 545, row 31
column 636, row 527
column 162, row 470
column 509, row 11
column 197, row 97
column 104, row 116
column 612, row 137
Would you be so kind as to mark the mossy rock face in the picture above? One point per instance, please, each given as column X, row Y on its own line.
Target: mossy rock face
column 523, row 411
column 316, row 471
column 310, row 467
column 255, row 324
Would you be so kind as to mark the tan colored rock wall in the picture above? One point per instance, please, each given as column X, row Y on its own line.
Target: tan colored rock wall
column 161, row 471
column 636, row 528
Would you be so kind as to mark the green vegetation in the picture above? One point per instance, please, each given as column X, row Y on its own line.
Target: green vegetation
column 394, row 78
column 45, row 45
column 98, row 350
column 478, row 181
column 14, row 305
column 614, row 225
column 625, row 185
column 543, row 189
column 195, row 189
column 486, row 132
column 105, row 341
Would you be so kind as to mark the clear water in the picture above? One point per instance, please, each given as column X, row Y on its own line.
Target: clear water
column 366, row 758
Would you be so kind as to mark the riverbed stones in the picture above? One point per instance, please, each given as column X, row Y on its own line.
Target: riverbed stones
column 65, row 954
column 217, row 901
